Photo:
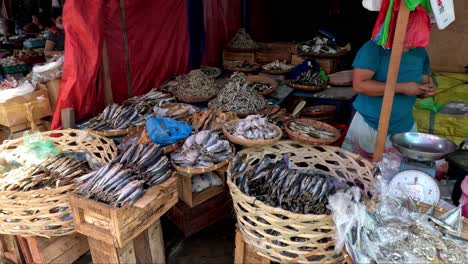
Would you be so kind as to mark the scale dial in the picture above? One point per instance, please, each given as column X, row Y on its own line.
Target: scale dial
column 415, row 184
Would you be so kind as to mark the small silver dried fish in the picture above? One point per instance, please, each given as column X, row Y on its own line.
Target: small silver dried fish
column 195, row 83
column 242, row 40
column 253, row 127
column 310, row 131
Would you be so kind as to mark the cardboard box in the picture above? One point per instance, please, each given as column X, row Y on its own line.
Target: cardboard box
column 53, row 87
column 14, row 111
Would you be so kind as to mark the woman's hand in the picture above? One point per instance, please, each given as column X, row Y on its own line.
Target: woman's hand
column 416, row 89
column 431, row 91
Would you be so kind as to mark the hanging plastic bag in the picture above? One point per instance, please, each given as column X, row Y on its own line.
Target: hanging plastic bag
column 419, row 28
column 372, row 5
column 167, row 131
column 444, row 12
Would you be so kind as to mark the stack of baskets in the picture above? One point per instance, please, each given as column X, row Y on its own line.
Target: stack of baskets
column 300, row 238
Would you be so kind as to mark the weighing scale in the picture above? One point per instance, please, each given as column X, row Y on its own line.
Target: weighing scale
column 418, row 168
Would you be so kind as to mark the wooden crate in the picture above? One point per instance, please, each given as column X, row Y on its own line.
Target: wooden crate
column 17, row 131
column 269, row 56
column 328, row 64
column 62, row 249
column 184, row 189
column 121, row 225
column 147, row 247
column 190, row 220
column 229, row 55
column 10, row 249
column 245, row 254
column 288, row 47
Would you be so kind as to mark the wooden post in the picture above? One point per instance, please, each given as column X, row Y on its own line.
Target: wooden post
column 392, row 79
column 106, row 76
column 68, row 118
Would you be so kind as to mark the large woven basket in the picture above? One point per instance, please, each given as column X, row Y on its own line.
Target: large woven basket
column 310, row 140
column 263, row 79
column 47, row 212
column 249, row 142
column 302, row 238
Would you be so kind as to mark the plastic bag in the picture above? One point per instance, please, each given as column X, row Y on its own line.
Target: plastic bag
column 166, row 131
column 389, row 165
column 372, row 5
column 24, row 89
column 39, row 147
column 419, row 28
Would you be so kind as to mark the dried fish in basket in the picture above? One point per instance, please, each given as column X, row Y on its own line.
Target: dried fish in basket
column 276, row 115
column 178, row 111
column 124, row 180
column 254, row 130
column 241, row 66
column 242, row 41
column 194, row 84
column 212, row 72
column 238, row 97
column 312, row 131
column 204, row 150
column 277, row 67
column 211, row 119
column 262, row 84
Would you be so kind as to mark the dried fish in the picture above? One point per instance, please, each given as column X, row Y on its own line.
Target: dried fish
column 241, row 65
column 278, row 66
column 253, row 127
column 177, row 111
column 310, row 77
column 260, row 87
column 211, row 119
column 238, row 97
column 242, row 40
column 125, row 179
column 277, row 185
column 310, row 131
column 195, row 83
column 320, row 45
column 202, row 150
column 211, row 72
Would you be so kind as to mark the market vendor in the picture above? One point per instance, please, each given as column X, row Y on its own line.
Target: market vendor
column 369, row 77
column 55, row 41
column 37, row 24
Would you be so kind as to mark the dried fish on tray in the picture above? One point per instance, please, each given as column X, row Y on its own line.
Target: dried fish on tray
column 211, row 119
column 54, row 172
column 202, row 150
column 125, row 179
column 242, row 41
column 279, row 186
column 253, row 127
column 238, row 97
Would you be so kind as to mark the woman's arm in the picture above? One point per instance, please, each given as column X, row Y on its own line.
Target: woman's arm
column 431, row 86
column 49, row 49
column 363, row 83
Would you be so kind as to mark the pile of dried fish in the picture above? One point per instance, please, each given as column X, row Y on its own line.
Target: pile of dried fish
column 177, row 111
column 241, row 66
column 211, row 119
column 202, row 150
column 261, row 87
column 54, row 172
column 310, row 131
column 8, row 83
column 278, row 66
column 311, row 78
column 278, row 186
column 320, row 45
column 132, row 112
column 242, row 40
column 275, row 114
column 253, row 127
column 195, row 83
column 201, row 182
column 212, row 72
column 124, row 180
column 238, row 97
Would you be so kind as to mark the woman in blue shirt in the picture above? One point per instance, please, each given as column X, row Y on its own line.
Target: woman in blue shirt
column 369, row 77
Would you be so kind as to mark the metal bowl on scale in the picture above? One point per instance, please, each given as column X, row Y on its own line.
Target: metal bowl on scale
column 422, row 146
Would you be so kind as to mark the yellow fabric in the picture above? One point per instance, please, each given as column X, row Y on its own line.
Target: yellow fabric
column 451, row 87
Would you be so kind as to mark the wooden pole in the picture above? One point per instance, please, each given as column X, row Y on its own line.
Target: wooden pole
column 106, row 76
column 392, row 78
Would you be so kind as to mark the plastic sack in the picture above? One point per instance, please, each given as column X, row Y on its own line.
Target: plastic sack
column 372, row 5
column 23, row 89
column 38, row 147
column 419, row 28
column 166, row 131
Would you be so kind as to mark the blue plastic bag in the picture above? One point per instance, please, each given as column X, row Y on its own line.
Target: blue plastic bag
column 166, row 131
column 305, row 67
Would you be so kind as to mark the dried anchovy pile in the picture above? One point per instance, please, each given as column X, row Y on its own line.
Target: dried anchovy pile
column 277, row 185
column 195, row 83
column 54, row 172
column 124, row 180
column 242, row 40
column 238, row 97
column 310, row 77
column 212, row 72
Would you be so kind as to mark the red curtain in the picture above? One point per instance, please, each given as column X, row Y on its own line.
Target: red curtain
column 158, row 48
column 222, row 19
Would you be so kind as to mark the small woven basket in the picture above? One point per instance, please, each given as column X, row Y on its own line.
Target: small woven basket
column 47, row 212
column 301, row 238
column 324, row 113
column 249, row 142
column 263, row 79
column 342, row 78
column 311, row 140
column 307, row 88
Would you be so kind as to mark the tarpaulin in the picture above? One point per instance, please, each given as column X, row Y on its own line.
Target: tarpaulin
column 222, row 20
column 153, row 35
column 196, row 32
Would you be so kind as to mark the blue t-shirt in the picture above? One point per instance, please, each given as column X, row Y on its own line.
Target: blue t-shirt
column 414, row 64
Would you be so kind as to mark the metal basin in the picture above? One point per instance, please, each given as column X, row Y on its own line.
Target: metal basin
column 421, row 146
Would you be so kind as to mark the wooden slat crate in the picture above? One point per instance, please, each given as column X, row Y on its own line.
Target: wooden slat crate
column 119, row 226
column 287, row 47
column 245, row 254
column 191, row 220
column 10, row 249
column 268, row 56
column 229, row 55
column 62, row 249
column 147, row 247
column 184, row 189
column 328, row 64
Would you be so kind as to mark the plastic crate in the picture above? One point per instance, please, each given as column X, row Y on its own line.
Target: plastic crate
column 18, row 68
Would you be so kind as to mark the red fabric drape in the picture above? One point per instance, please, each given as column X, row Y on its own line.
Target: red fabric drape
column 222, row 19
column 158, row 48
column 81, row 87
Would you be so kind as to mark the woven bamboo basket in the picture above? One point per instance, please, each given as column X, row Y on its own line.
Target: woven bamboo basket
column 249, row 142
column 47, row 212
column 342, row 78
column 194, row 171
column 117, row 132
column 307, row 88
column 311, row 140
column 324, row 113
column 144, row 138
column 263, row 79
column 215, row 75
column 256, row 219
